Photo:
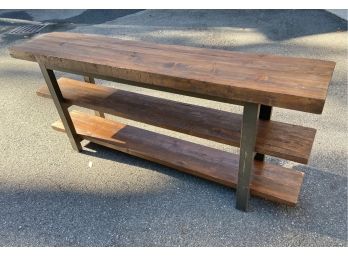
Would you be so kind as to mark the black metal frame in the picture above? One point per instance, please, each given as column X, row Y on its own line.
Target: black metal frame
column 251, row 113
column 265, row 114
column 246, row 157
column 62, row 109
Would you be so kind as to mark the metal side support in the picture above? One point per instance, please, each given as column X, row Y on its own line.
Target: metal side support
column 63, row 112
column 92, row 81
column 247, row 146
column 265, row 114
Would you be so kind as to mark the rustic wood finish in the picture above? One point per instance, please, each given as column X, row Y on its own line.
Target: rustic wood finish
column 92, row 81
column 274, row 138
column 293, row 83
column 269, row 181
column 249, row 79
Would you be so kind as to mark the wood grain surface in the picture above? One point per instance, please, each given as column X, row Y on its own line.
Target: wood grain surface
column 294, row 83
column 269, row 181
column 274, row 138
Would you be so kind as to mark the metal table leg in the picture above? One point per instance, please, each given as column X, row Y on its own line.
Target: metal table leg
column 265, row 114
column 92, row 81
column 247, row 147
column 63, row 112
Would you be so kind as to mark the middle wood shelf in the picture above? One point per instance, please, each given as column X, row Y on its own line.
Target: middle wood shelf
column 274, row 138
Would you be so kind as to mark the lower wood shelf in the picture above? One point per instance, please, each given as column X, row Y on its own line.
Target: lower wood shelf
column 269, row 181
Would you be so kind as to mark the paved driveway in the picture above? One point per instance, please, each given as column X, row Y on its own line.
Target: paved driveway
column 49, row 196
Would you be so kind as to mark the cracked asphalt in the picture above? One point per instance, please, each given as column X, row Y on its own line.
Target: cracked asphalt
column 50, row 196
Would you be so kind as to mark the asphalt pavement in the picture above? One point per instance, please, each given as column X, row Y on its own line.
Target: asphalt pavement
column 52, row 196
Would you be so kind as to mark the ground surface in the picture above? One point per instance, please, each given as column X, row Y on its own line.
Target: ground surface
column 49, row 196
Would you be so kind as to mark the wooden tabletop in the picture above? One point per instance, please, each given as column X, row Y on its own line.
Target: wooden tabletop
column 288, row 82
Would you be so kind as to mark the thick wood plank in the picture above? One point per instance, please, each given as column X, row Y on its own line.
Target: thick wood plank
column 274, row 138
column 294, row 83
column 269, row 181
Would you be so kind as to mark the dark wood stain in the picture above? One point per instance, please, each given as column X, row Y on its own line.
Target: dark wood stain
column 294, row 83
column 269, row 181
column 279, row 139
column 232, row 77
